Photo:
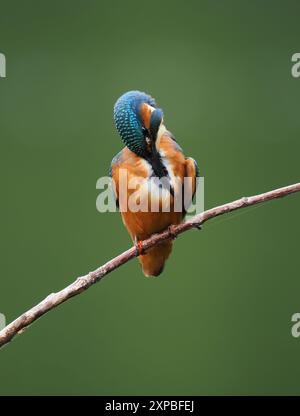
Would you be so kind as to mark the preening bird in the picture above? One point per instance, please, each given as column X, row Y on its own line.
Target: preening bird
column 152, row 159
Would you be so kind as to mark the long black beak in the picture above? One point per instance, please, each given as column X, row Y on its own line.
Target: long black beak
column 158, row 167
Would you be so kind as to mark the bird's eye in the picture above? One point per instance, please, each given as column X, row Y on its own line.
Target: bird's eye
column 145, row 131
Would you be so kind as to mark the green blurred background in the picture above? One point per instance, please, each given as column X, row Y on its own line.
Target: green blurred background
column 218, row 321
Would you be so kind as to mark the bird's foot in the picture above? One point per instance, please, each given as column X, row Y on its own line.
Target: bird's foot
column 199, row 227
column 172, row 231
column 139, row 246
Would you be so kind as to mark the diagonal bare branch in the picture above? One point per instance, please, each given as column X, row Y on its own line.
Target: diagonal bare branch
column 84, row 282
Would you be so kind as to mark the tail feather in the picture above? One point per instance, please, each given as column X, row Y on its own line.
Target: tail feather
column 154, row 260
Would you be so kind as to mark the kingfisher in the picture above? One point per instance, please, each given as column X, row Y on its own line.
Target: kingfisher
column 153, row 159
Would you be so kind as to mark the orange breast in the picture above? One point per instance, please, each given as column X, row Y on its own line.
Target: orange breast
column 139, row 224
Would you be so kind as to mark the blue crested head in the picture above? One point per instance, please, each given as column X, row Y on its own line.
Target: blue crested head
column 130, row 123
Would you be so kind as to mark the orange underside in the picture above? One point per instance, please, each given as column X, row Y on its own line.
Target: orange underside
column 142, row 225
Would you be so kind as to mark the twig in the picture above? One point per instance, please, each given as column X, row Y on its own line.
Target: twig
column 84, row 282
